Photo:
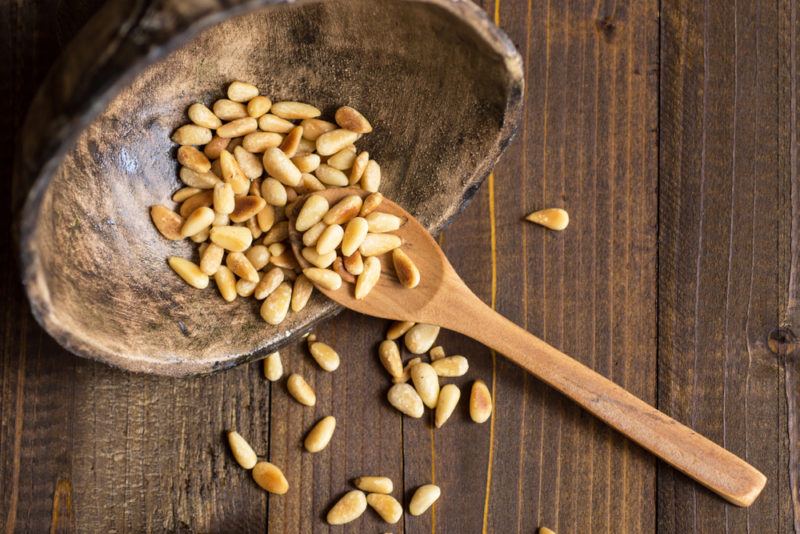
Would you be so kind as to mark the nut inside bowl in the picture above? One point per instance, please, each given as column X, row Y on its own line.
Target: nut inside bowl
column 441, row 85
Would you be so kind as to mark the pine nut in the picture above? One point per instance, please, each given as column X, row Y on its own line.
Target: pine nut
column 423, row 499
column 211, row 259
column 272, row 123
column 451, row 366
column 223, row 198
column 214, row 148
column 191, row 134
column 405, row 269
column 276, row 305
column 226, row 283
column 359, row 165
column 389, row 353
column 375, row 484
column 311, row 236
column 258, row 106
column 273, row 367
column 380, row 222
column 252, row 225
column 321, row 434
column 313, row 128
column 190, row 272
column 398, row 328
column 344, row 210
column 221, row 219
column 281, row 167
column 185, row 192
column 192, row 203
column 552, row 218
column 407, row 371
column 324, row 355
column 426, row 382
column 307, row 162
column 191, row 158
column 291, row 194
column 294, row 110
column 242, row 452
column 342, row 160
column 300, row 390
column 232, row 238
column 241, row 266
column 332, row 142
column 166, row 221
column 199, row 220
column 330, row 239
column 437, row 353
column 249, row 163
column 406, row 400
column 238, row 127
column 276, row 249
column 312, row 183
column 228, row 110
column 371, row 203
column 235, row 141
column 292, row 141
column 387, row 507
column 290, row 274
column 350, row 119
column 367, row 279
column 266, row 218
column 200, row 180
column 545, row 530
column 312, row 212
column 349, row 508
column 323, row 261
column 377, row 244
column 331, row 176
column 270, row 478
column 301, row 292
column 200, row 237
column 273, row 192
column 258, row 255
column 371, row 179
column 260, row 141
column 480, row 402
column 202, row 116
column 338, row 268
column 232, row 173
column 324, row 278
column 354, row 264
column 448, row 399
column 246, row 207
column 421, row 337
column 268, row 283
column 245, row 288
column 242, row 91
column 286, row 260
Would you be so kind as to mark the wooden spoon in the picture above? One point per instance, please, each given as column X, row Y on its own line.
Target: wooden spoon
column 443, row 299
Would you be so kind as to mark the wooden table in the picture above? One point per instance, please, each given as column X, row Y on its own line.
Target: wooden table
column 670, row 137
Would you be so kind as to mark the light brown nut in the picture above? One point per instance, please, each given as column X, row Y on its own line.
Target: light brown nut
column 202, row 116
column 322, row 261
column 233, row 174
column 291, row 194
column 285, row 260
column 242, row 452
column 211, row 259
column 311, row 235
column 387, row 507
column 166, row 221
column 273, row 123
column 292, row 141
column 221, row 219
column 232, row 238
column 421, row 337
column 190, row 272
column 371, row 203
column 245, row 288
column 248, row 162
column 260, row 141
column 291, row 274
column 294, row 110
column 320, row 435
column 313, row 128
column 200, row 237
column 407, row 371
column 398, row 328
column 266, row 218
column 368, row 278
column 480, row 402
column 199, row 220
column 238, row 127
column 192, row 203
column 268, row 283
column 258, row 256
column 252, row 225
column 273, row 367
column 306, row 147
column 214, row 147
column 552, row 218
column 389, row 353
column 223, row 198
column 330, row 176
column 200, row 180
column 191, row 134
column 273, row 192
column 190, row 157
column 350, row 119
column 300, row 390
column 241, row 266
column 276, row 305
column 448, row 399
column 324, row 278
column 216, row 168
column 242, row 91
column 437, row 353
column 354, row 263
column 281, row 167
column 330, row 239
column 377, row 244
column 344, row 210
column 359, row 165
column 276, row 249
column 348, row 508
column 312, row 212
column 342, row 160
column 338, row 268
column 228, row 110
column 270, row 478
column 184, row 192
column 375, row 484
column 544, row 530
column 426, row 382
column 380, row 222
column 236, row 141
column 258, row 105
column 324, row 355
column 405, row 269
column 332, row 142
column 246, row 207
column 310, row 183
column 306, row 163
column 226, row 283
column 451, row 366
column 371, row 179
column 423, row 499
column 406, row 399
column 301, row 292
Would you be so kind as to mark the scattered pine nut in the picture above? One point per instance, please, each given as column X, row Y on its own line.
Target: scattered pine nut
column 211, row 259
column 324, row 355
column 357, row 171
column 421, row 337
column 324, row 278
column 354, row 234
column 389, row 354
column 423, row 499
column 279, row 232
column 451, row 366
column 193, row 159
column 300, row 390
column 311, row 235
column 270, row 478
column 273, row 367
column 232, row 238
column 214, row 148
column 228, row 110
column 202, row 116
column 354, row 263
column 375, row 484
column 233, row 174
column 350, row 119
column 273, row 192
column 330, row 239
column 405, row 269
column 224, row 201
column 342, row 211
column 184, row 192
column 332, row 142
column 379, row 222
column 426, row 382
column 238, row 127
column 342, row 160
column 191, row 134
column 241, row 91
column 199, row 220
column 480, row 402
column 226, row 283
column 241, row 266
column 330, row 175
column 320, row 435
column 313, row 128
column 338, row 268
column 268, row 283
column 437, row 353
column 166, row 221
column 407, row 371
column 200, row 180
column 190, row 272
column 378, row 244
column 245, row 288
column 279, row 166
column 367, row 280
column 301, row 292
column 312, row 212
column 371, row 179
column 448, row 399
column 242, row 452
column 386, row 506
column 276, row 305
column 192, row 203
column 248, row 162
column 266, row 218
column 398, row 328
column 294, row 110
column 260, row 141
column 291, row 142
column 306, row 163
column 322, row 261
column 406, row 400
column 348, row 508
column 258, row 256
column 258, row 106
column 552, row 218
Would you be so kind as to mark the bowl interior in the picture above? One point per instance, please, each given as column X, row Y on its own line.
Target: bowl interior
column 435, row 91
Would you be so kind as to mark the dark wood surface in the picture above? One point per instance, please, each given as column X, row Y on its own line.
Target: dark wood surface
column 670, row 137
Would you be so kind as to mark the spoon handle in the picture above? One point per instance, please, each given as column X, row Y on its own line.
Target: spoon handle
column 691, row 453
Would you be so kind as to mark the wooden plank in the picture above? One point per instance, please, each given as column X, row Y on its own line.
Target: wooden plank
column 719, row 261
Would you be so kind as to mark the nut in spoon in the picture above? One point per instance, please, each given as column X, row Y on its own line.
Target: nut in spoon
column 443, row 299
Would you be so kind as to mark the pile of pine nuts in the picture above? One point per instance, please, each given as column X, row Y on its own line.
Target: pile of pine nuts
column 243, row 163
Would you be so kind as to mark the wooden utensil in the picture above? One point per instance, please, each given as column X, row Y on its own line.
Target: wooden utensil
column 442, row 298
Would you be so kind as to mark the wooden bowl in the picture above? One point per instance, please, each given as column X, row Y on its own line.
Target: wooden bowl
column 441, row 84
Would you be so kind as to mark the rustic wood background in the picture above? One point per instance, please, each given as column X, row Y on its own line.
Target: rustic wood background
column 667, row 129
